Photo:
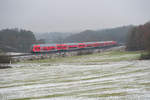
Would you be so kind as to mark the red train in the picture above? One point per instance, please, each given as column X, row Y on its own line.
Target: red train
column 40, row 48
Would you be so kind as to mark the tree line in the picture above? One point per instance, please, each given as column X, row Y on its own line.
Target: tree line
column 17, row 40
column 139, row 38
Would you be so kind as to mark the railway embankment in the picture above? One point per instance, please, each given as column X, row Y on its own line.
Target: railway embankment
column 41, row 56
column 114, row 54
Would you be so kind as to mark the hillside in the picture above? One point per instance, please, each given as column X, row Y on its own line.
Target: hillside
column 52, row 37
column 117, row 34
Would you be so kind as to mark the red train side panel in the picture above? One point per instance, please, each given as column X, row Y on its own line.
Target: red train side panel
column 70, row 46
column 36, row 48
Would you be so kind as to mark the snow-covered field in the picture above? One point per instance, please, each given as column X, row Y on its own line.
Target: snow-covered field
column 69, row 80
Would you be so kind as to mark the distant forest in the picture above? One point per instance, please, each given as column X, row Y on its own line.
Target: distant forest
column 118, row 34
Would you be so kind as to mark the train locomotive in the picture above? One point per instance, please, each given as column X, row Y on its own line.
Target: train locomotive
column 45, row 48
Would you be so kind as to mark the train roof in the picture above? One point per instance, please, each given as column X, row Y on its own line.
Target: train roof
column 49, row 44
column 45, row 44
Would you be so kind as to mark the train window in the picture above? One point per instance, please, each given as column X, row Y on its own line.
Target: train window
column 72, row 47
column 81, row 45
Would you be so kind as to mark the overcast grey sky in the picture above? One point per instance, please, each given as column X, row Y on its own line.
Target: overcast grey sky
column 72, row 15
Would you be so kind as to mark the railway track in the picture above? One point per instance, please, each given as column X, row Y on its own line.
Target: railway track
column 62, row 51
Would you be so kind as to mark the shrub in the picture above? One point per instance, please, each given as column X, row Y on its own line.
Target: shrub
column 145, row 56
column 84, row 52
column 4, row 59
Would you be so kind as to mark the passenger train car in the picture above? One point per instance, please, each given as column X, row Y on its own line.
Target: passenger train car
column 41, row 48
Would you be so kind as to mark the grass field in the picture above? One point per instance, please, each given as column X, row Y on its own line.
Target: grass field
column 109, row 56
